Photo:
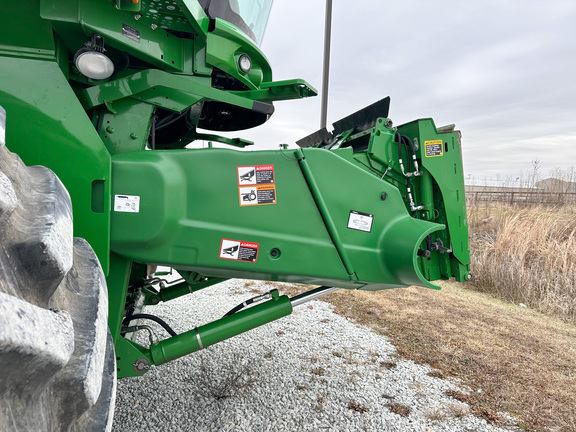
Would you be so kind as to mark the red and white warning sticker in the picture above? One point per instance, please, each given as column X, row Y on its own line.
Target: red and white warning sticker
column 256, row 185
column 255, row 175
column 239, row 250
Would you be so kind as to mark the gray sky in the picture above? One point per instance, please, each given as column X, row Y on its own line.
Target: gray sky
column 503, row 71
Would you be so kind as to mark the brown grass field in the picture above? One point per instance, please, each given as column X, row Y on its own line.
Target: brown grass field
column 526, row 255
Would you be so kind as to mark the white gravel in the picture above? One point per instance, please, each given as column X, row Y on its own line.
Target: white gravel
column 311, row 371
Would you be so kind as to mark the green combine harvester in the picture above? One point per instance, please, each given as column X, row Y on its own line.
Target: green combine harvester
column 99, row 99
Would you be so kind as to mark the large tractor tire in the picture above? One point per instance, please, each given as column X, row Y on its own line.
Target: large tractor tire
column 57, row 363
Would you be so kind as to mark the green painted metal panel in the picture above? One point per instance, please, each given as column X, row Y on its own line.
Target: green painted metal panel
column 190, row 200
column 444, row 163
column 23, row 31
column 47, row 126
column 185, row 226
column 224, row 45
column 386, row 256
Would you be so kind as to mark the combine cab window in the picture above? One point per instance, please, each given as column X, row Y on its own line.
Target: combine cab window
column 250, row 16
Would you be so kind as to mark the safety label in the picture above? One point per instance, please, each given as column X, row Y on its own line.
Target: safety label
column 256, row 185
column 239, row 250
column 254, row 195
column 255, row 175
column 127, row 203
column 360, row 221
column 433, row 148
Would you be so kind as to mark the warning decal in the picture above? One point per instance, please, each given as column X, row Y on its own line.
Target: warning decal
column 256, row 185
column 255, row 195
column 239, row 250
column 433, row 148
column 255, row 175
column 360, row 221
column 127, row 203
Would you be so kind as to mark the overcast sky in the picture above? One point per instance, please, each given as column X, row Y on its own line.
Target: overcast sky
column 503, row 71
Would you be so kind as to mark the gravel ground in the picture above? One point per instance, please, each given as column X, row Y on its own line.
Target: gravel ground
column 311, row 371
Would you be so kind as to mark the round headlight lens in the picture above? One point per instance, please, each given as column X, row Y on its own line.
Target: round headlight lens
column 244, row 63
column 95, row 65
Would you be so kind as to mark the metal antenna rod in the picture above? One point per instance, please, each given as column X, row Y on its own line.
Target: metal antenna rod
column 326, row 71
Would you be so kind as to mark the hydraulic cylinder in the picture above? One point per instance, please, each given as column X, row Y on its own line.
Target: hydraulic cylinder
column 217, row 331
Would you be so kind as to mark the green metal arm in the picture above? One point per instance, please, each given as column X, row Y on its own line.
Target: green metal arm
column 173, row 92
column 281, row 90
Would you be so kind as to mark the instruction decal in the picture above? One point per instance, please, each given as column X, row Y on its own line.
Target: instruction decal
column 239, row 250
column 360, row 221
column 256, row 185
column 433, row 148
column 127, row 203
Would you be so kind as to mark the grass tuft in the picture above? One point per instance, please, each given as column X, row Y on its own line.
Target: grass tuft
column 354, row 406
column 400, row 409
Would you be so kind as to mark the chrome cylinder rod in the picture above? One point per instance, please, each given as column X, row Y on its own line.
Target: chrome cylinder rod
column 312, row 295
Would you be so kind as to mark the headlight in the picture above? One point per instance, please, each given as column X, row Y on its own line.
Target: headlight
column 244, row 63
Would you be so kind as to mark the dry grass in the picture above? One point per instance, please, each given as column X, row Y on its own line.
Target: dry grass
column 398, row 408
column 526, row 256
column 354, row 406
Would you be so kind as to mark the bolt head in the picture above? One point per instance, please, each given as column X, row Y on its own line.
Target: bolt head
column 141, row 365
column 383, row 196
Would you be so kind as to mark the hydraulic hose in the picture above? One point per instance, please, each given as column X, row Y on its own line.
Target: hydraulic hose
column 157, row 320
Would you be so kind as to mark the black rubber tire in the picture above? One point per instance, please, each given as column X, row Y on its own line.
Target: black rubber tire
column 57, row 362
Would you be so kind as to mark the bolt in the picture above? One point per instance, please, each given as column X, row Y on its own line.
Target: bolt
column 141, row 365
column 469, row 276
column 110, row 129
column 153, row 26
column 384, row 196
column 388, row 124
column 133, row 136
column 137, row 17
column 154, row 300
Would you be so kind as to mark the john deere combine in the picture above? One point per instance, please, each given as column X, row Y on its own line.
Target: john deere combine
column 105, row 95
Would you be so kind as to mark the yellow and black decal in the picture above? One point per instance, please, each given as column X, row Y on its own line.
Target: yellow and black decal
column 433, row 148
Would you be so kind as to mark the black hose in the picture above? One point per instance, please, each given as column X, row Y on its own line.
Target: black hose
column 239, row 307
column 157, row 320
column 399, row 139
column 167, row 121
column 407, row 143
